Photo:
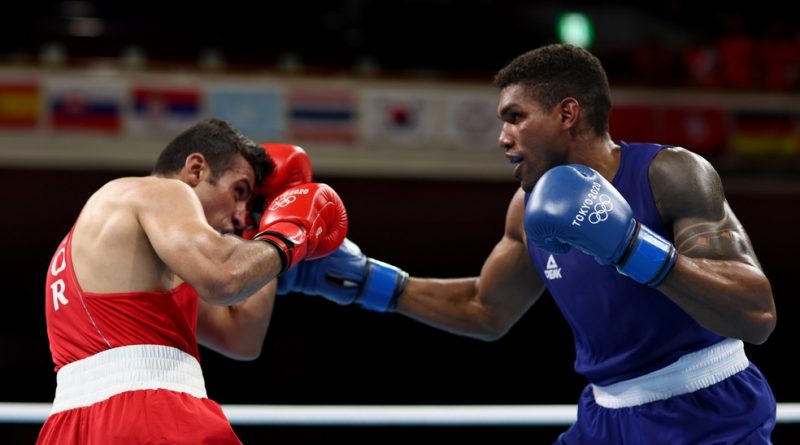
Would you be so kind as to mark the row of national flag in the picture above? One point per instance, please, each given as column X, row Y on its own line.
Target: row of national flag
column 408, row 116
column 711, row 131
column 335, row 114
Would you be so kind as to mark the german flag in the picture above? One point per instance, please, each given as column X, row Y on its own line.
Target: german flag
column 765, row 134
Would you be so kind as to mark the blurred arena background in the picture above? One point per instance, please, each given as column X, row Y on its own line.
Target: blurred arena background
column 393, row 101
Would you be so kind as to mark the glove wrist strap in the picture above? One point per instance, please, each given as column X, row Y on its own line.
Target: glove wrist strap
column 282, row 244
column 650, row 258
column 383, row 284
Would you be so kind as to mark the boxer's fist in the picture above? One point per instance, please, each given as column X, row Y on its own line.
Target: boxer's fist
column 292, row 167
column 347, row 276
column 574, row 206
column 305, row 221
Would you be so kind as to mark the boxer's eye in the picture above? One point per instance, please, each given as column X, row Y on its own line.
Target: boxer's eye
column 241, row 193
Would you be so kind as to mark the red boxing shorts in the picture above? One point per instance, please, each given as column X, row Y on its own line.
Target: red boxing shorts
column 135, row 394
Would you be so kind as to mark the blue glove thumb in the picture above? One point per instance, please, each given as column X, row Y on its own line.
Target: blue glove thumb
column 347, row 276
column 336, row 276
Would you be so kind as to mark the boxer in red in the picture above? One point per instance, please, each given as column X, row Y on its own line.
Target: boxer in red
column 153, row 265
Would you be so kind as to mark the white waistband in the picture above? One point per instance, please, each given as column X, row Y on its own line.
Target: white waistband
column 693, row 371
column 127, row 368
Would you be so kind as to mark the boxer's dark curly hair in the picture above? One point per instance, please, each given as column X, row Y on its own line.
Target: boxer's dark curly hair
column 554, row 72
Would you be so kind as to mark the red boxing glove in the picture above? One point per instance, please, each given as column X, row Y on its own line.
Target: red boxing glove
column 292, row 167
column 306, row 221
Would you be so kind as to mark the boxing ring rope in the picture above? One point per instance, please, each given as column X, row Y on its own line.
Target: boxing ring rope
column 379, row 415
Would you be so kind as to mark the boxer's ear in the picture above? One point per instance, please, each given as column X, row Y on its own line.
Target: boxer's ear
column 195, row 169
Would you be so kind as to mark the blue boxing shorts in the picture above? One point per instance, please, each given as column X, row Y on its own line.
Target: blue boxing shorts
column 733, row 405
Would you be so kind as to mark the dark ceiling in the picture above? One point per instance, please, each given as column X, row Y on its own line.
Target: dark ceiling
column 468, row 37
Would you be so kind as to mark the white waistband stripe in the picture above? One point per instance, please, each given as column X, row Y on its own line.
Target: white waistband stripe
column 127, row 368
column 693, row 371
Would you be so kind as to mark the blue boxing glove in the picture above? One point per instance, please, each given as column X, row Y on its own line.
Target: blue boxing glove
column 574, row 206
column 347, row 276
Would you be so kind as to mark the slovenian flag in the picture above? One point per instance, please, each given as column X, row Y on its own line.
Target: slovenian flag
column 85, row 110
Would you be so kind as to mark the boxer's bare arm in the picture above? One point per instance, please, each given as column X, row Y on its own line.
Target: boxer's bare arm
column 137, row 234
column 222, row 269
column 237, row 331
column 717, row 278
column 487, row 306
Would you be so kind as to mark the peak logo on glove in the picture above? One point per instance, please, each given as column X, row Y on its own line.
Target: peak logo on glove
column 621, row 240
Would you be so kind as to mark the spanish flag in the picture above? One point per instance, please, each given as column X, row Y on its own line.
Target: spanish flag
column 20, row 104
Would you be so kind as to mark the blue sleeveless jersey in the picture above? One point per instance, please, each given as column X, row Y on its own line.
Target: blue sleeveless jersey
column 622, row 329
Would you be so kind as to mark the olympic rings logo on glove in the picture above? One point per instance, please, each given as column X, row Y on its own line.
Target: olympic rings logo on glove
column 287, row 197
column 282, row 201
column 601, row 209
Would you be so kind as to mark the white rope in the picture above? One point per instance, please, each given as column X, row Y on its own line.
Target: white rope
column 428, row 415
column 378, row 415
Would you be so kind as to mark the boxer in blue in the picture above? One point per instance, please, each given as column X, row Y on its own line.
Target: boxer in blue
column 637, row 245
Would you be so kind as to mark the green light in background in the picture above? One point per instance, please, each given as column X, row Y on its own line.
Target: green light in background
column 575, row 28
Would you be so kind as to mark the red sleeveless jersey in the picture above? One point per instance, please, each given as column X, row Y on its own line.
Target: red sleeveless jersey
column 81, row 324
column 128, row 366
